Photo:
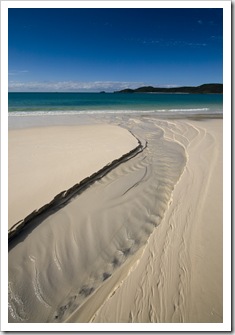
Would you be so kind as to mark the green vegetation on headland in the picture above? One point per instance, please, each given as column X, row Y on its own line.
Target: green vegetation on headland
column 202, row 89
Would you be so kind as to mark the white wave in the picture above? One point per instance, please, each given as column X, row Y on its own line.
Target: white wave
column 189, row 110
column 174, row 111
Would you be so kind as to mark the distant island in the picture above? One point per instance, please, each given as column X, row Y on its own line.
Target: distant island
column 202, row 89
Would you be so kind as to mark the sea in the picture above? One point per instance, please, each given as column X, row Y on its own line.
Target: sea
column 23, row 104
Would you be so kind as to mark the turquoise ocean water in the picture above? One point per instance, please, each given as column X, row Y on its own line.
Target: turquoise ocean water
column 91, row 103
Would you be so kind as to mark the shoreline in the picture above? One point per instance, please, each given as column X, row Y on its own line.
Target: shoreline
column 179, row 113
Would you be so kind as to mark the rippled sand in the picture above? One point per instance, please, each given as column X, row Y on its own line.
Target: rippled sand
column 142, row 244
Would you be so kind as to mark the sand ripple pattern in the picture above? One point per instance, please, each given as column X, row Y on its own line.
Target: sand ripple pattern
column 168, row 285
column 71, row 256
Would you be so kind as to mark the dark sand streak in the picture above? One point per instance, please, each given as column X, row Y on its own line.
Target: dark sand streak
column 62, row 199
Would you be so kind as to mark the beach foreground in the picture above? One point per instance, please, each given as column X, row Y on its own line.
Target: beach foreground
column 45, row 161
column 142, row 244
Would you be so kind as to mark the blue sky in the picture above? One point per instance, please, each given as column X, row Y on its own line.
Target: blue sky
column 109, row 49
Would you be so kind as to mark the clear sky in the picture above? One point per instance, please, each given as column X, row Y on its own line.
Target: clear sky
column 108, row 49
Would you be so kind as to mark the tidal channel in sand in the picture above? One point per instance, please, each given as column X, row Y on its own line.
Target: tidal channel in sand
column 136, row 246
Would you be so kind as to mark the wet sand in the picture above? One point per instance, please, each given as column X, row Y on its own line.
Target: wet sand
column 142, row 244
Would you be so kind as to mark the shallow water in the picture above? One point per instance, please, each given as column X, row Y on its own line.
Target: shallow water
column 69, row 255
column 95, row 103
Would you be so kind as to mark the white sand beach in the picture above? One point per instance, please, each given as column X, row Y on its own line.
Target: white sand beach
column 179, row 276
column 142, row 244
column 45, row 161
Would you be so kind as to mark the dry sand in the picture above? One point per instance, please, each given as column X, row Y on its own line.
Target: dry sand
column 143, row 244
column 45, row 161
column 179, row 277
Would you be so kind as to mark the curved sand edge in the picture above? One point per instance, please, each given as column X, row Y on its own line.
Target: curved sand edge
column 62, row 198
column 179, row 276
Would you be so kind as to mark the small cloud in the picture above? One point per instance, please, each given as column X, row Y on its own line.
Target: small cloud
column 108, row 24
column 178, row 43
column 71, row 86
column 196, row 45
column 173, row 43
column 199, row 22
column 17, row 72
column 165, row 85
column 149, row 41
column 216, row 38
column 213, row 23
